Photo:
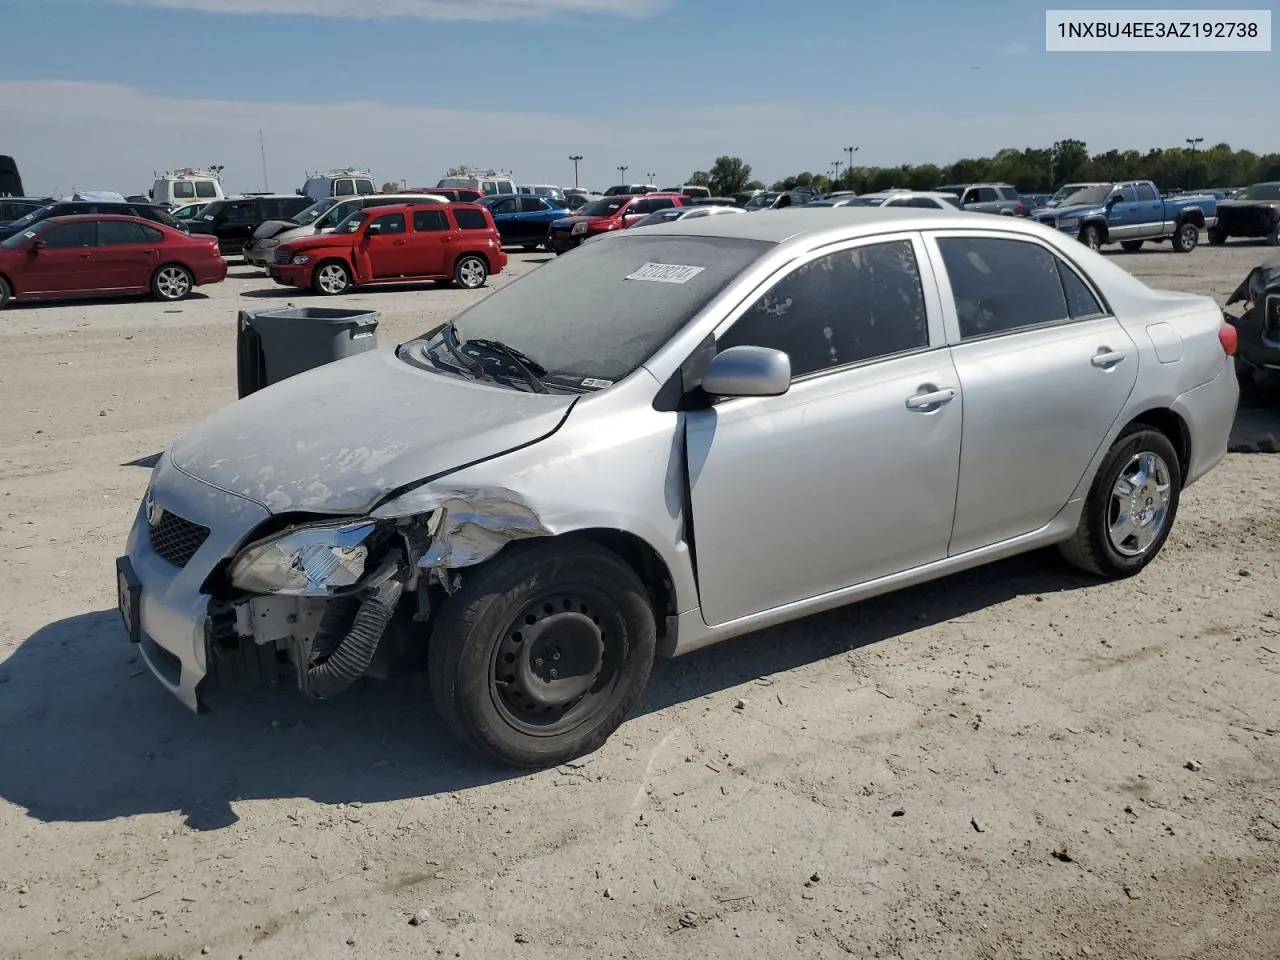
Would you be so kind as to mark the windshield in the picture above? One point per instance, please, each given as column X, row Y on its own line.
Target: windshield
column 1095, row 194
column 1068, row 189
column 456, row 182
column 598, row 314
column 352, row 223
column 864, row 201
column 603, row 208
column 18, row 239
column 211, row 211
column 761, row 200
column 314, row 212
column 1260, row 191
column 39, row 213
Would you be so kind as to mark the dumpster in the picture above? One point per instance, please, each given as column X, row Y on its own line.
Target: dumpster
column 272, row 345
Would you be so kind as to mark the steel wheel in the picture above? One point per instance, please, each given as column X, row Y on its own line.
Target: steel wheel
column 1139, row 509
column 332, row 279
column 471, row 272
column 172, row 282
column 556, row 664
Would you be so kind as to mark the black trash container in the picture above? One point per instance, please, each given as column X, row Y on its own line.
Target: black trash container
column 272, row 345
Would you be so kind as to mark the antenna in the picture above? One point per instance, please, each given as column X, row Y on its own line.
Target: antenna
column 263, row 147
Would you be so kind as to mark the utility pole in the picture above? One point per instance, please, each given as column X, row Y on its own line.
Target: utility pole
column 262, row 145
column 575, row 158
column 1191, row 164
column 622, row 171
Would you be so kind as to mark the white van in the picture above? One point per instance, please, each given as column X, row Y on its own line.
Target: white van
column 180, row 187
column 338, row 183
column 488, row 183
column 542, row 190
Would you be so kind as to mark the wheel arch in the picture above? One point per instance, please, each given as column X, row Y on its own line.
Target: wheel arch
column 488, row 264
column 1170, row 424
column 1191, row 215
column 1099, row 224
column 13, row 290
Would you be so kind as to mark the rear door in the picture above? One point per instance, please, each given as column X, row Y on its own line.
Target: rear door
column 1150, row 207
column 235, row 224
column 66, row 263
column 1045, row 370
column 386, row 244
column 127, row 254
column 431, row 241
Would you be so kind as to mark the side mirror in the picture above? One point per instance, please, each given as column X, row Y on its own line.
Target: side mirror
column 748, row 372
column 372, row 230
column 37, row 245
column 1113, row 199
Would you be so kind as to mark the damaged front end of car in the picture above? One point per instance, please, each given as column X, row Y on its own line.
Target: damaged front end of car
column 342, row 599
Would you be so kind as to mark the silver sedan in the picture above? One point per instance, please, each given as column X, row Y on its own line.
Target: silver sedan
column 693, row 431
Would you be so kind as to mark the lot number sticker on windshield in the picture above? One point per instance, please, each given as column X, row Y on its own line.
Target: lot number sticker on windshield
column 666, row 273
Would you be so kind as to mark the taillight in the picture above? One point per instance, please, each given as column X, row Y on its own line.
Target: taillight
column 1229, row 339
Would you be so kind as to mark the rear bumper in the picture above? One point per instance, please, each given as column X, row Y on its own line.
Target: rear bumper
column 211, row 273
column 1209, row 412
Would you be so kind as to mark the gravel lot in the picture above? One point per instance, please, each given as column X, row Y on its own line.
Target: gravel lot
column 1016, row 762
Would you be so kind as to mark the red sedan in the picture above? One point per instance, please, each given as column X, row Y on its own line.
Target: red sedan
column 98, row 255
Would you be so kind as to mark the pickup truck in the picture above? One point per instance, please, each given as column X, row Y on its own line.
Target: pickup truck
column 1131, row 212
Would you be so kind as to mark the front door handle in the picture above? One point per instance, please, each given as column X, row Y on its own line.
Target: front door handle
column 930, row 401
column 400, row 243
column 1106, row 359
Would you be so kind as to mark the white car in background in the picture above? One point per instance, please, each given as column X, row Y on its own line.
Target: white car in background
column 923, row 199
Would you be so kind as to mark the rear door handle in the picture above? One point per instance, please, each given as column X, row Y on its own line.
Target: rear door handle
column 930, row 401
column 1106, row 358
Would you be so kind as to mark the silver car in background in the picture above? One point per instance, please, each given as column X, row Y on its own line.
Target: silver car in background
column 692, row 431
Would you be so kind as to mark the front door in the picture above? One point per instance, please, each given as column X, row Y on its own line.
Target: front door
column 235, row 225
column 1045, row 370
column 128, row 253
column 387, row 248
column 1125, row 216
column 506, row 217
column 66, row 262
column 850, row 475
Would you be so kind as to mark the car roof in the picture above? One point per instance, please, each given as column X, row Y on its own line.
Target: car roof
column 81, row 217
column 779, row 226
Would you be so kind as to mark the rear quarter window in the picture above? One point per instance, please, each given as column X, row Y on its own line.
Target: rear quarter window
column 471, row 220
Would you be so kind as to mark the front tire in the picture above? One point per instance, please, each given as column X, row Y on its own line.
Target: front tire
column 493, row 654
column 470, row 272
column 171, row 283
column 1130, row 508
column 5, row 293
column 1217, row 236
column 1091, row 237
column 1131, row 246
column 1186, row 238
column 331, row 278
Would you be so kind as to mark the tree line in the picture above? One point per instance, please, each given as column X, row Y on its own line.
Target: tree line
column 1031, row 170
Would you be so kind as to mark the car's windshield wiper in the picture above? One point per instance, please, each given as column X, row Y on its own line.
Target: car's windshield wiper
column 531, row 370
column 449, row 336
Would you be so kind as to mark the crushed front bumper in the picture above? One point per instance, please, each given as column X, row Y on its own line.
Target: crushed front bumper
column 160, row 581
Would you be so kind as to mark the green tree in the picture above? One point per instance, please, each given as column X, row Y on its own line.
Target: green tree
column 699, row 178
column 1068, row 159
column 729, row 175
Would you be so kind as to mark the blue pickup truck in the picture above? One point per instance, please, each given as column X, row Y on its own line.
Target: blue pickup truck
column 1130, row 213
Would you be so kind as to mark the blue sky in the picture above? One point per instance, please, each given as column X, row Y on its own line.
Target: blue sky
column 661, row 85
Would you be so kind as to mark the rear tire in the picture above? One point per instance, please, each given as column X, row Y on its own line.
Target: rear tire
column 490, row 653
column 1217, row 236
column 1131, row 246
column 171, row 283
column 331, row 278
column 470, row 272
column 5, row 293
column 1273, row 237
column 1186, row 238
column 1108, row 541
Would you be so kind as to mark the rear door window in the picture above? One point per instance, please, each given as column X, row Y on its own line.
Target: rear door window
column 184, row 190
column 430, row 221
column 112, row 233
column 1001, row 286
column 206, row 190
column 364, row 186
column 1146, row 192
column 344, row 188
column 532, row 205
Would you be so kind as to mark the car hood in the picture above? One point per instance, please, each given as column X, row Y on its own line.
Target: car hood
column 576, row 218
column 272, row 227
column 339, row 438
column 1245, row 204
column 1076, row 210
column 310, row 241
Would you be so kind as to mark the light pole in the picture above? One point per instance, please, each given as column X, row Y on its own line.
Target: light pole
column 1191, row 164
column 650, row 178
column 850, row 151
column 622, row 171
column 837, row 164
column 575, row 158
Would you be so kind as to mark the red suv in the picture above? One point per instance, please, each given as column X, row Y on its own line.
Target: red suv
column 406, row 241
column 605, row 214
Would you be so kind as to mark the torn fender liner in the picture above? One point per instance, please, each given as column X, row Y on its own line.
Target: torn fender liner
column 339, row 660
column 470, row 531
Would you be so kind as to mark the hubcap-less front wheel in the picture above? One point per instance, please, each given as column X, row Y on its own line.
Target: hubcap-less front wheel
column 556, row 664
column 173, row 283
column 332, row 278
column 1139, row 507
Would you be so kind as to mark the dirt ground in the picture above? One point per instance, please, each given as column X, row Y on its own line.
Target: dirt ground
column 1017, row 762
